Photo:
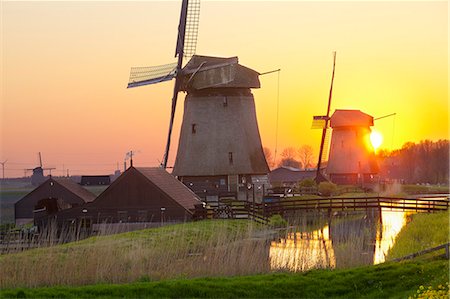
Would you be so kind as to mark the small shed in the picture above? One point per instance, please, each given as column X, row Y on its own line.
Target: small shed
column 289, row 176
column 140, row 194
column 352, row 157
column 63, row 190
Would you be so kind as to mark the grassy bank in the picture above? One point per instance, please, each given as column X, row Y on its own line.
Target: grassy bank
column 396, row 280
column 423, row 231
column 207, row 248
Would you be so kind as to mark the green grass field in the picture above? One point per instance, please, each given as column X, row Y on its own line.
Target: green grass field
column 422, row 232
column 391, row 280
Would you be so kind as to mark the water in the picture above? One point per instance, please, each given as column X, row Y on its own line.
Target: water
column 340, row 242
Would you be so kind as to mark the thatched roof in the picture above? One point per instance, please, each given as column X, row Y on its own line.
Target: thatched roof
column 350, row 118
column 204, row 72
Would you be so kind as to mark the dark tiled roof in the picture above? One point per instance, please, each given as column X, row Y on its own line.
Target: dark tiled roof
column 171, row 186
column 290, row 174
column 75, row 189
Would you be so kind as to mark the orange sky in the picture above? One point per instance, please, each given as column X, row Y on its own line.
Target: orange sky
column 65, row 67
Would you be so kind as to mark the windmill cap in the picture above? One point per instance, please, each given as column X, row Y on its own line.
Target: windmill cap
column 350, row 118
column 205, row 72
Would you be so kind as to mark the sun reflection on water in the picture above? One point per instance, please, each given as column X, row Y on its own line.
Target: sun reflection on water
column 302, row 251
column 393, row 221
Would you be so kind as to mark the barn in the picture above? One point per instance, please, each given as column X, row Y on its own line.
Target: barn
column 62, row 191
column 289, row 176
column 139, row 195
column 352, row 157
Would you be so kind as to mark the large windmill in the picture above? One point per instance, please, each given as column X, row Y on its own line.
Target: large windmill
column 219, row 147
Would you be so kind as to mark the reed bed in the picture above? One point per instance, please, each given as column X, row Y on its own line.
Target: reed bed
column 196, row 249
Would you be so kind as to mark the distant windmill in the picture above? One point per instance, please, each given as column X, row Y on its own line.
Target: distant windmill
column 38, row 172
column 219, row 147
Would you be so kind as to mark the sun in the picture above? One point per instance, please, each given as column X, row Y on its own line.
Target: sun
column 376, row 139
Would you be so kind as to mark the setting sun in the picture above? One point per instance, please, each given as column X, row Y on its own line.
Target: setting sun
column 376, row 139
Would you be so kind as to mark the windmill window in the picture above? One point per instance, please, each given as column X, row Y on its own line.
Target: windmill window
column 230, row 157
column 194, row 128
column 225, row 101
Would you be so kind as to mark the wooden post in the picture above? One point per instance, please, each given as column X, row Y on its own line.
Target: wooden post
column 447, row 251
column 380, row 212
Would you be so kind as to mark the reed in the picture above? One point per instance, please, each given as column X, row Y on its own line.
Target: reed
column 195, row 249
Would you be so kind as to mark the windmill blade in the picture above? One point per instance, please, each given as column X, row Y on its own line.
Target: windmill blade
column 188, row 28
column 140, row 76
column 319, row 122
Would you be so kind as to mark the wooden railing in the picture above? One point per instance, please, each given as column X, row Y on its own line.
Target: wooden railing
column 410, row 256
column 262, row 211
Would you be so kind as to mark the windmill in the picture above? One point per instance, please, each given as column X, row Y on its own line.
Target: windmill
column 38, row 172
column 219, row 147
column 352, row 158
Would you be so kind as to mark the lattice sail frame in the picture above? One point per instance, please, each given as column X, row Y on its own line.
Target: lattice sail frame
column 151, row 74
column 192, row 23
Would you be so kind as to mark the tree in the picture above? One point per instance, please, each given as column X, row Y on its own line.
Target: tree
column 289, row 156
column 269, row 158
column 305, row 152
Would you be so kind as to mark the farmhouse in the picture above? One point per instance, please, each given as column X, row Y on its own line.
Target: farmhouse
column 139, row 195
column 54, row 191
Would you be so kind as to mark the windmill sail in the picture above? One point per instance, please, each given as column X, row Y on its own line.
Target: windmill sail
column 186, row 46
column 140, row 76
column 319, row 175
column 188, row 28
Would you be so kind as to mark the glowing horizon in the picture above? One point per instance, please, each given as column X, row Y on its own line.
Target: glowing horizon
column 65, row 70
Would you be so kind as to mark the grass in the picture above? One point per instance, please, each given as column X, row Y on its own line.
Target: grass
column 391, row 280
column 420, row 189
column 422, row 232
column 8, row 197
column 207, row 248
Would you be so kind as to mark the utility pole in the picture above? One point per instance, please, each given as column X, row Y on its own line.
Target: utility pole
column 3, row 167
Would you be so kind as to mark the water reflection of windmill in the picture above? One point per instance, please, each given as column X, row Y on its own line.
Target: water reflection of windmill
column 219, row 146
column 38, row 172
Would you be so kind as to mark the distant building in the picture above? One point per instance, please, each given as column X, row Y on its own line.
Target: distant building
column 58, row 190
column 352, row 157
column 95, row 180
column 289, row 176
column 139, row 195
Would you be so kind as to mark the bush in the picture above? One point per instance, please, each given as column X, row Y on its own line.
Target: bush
column 277, row 221
column 327, row 188
column 307, row 183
